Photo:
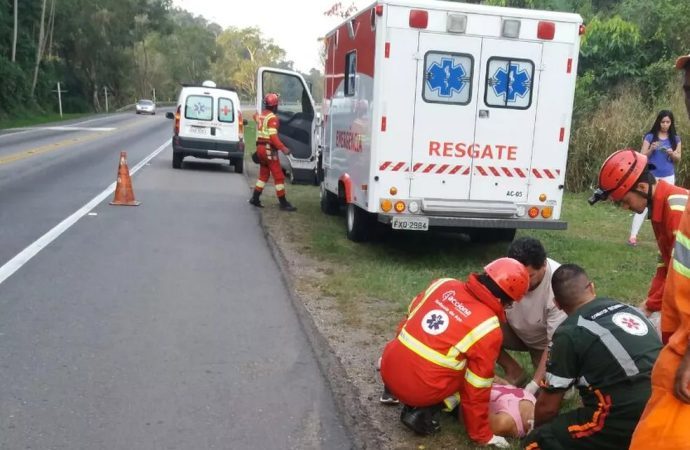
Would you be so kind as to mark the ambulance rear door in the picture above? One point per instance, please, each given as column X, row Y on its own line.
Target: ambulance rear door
column 505, row 120
column 444, row 116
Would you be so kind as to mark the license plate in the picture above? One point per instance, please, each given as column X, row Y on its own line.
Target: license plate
column 199, row 130
column 410, row 223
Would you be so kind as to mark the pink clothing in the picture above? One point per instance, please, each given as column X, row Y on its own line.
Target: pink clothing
column 506, row 399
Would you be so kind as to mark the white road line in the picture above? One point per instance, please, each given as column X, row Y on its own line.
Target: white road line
column 27, row 129
column 32, row 250
column 68, row 128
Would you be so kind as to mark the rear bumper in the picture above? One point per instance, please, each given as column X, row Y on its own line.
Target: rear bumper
column 470, row 222
column 207, row 149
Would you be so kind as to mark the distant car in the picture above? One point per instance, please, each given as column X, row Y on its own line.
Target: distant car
column 144, row 106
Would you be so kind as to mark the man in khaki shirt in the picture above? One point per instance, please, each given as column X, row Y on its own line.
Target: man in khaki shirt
column 532, row 322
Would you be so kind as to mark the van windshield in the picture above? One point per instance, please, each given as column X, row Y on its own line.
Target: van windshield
column 199, row 107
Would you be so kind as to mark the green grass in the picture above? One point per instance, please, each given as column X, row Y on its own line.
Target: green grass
column 37, row 120
column 374, row 282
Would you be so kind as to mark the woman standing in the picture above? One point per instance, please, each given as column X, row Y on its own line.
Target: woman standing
column 662, row 146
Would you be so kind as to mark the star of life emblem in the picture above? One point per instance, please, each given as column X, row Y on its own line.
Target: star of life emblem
column 630, row 323
column 435, row 322
column 446, row 78
column 511, row 83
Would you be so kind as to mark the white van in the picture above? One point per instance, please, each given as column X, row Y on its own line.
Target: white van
column 208, row 125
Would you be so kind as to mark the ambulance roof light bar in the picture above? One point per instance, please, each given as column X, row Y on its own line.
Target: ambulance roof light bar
column 419, row 18
column 510, row 28
column 456, row 23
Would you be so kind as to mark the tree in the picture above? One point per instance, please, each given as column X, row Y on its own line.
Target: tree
column 39, row 47
column 14, row 34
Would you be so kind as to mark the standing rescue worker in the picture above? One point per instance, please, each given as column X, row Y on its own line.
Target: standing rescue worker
column 625, row 178
column 268, row 144
column 606, row 349
column 447, row 346
column 665, row 423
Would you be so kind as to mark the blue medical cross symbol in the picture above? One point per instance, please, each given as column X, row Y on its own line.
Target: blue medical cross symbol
column 511, row 83
column 199, row 108
column 435, row 321
column 446, row 78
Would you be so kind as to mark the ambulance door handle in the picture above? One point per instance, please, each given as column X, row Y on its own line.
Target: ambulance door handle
column 483, row 113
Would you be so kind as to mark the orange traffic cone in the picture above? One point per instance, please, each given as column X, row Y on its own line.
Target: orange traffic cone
column 124, row 194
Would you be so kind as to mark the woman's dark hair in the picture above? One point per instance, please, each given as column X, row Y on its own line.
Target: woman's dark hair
column 672, row 137
column 494, row 289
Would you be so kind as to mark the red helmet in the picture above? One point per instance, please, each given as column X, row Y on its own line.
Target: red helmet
column 620, row 171
column 510, row 275
column 271, row 100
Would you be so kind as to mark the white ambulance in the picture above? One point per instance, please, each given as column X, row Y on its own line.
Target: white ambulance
column 441, row 114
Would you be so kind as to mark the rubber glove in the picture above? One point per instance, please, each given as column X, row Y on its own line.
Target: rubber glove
column 532, row 387
column 498, row 441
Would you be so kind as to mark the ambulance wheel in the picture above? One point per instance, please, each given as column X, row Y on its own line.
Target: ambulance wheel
column 329, row 201
column 177, row 160
column 238, row 164
column 358, row 223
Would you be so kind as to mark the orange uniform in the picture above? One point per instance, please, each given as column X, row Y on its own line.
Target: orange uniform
column 267, row 146
column 667, row 209
column 446, row 349
column 665, row 422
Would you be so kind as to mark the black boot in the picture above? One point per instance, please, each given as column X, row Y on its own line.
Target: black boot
column 285, row 205
column 422, row 421
column 255, row 199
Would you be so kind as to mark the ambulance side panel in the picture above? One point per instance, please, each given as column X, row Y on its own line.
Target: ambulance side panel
column 348, row 99
column 553, row 123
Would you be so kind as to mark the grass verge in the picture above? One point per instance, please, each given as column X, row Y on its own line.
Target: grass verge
column 38, row 120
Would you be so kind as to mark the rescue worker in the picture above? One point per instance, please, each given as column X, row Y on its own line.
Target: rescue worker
column 268, row 144
column 607, row 349
column 625, row 178
column 447, row 346
column 665, row 423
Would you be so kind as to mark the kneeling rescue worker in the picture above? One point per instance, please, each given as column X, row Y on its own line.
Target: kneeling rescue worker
column 267, row 146
column 447, row 346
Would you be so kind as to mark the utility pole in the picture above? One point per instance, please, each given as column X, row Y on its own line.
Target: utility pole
column 154, row 95
column 59, row 93
column 105, row 89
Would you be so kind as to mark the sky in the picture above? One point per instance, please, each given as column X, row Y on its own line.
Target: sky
column 293, row 25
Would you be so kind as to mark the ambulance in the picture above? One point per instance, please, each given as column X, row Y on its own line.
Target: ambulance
column 438, row 115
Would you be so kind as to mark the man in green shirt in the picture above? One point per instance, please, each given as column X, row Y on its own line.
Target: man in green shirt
column 606, row 349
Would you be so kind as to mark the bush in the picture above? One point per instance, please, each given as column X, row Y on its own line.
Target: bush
column 15, row 91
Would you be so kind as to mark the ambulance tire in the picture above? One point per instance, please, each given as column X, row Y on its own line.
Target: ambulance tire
column 177, row 160
column 330, row 204
column 359, row 223
column 238, row 164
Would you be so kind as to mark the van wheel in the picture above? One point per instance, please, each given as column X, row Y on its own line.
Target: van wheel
column 239, row 165
column 359, row 223
column 177, row 161
column 329, row 201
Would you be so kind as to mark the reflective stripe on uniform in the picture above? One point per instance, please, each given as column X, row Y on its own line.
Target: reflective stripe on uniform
column 612, row 345
column 260, row 184
column 280, row 187
column 474, row 336
column 428, row 353
column 677, row 202
column 660, row 261
column 264, row 132
column 477, row 381
column 557, row 382
column 430, row 290
column 681, row 255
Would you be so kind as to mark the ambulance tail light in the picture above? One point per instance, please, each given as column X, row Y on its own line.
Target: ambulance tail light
column 177, row 120
column 379, row 10
column 547, row 212
column 413, row 206
column 581, row 30
column 546, row 30
column 393, row 190
column 386, row 205
column 542, row 197
column 419, row 18
column 399, row 206
column 241, row 124
column 533, row 212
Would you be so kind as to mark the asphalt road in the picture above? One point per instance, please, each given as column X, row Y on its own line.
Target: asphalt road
column 162, row 326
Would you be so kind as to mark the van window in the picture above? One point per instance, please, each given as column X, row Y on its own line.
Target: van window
column 447, row 78
column 350, row 73
column 226, row 111
column 199, row 107
column 508, row 83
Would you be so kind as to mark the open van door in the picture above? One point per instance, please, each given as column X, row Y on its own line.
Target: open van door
column 297, row 116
